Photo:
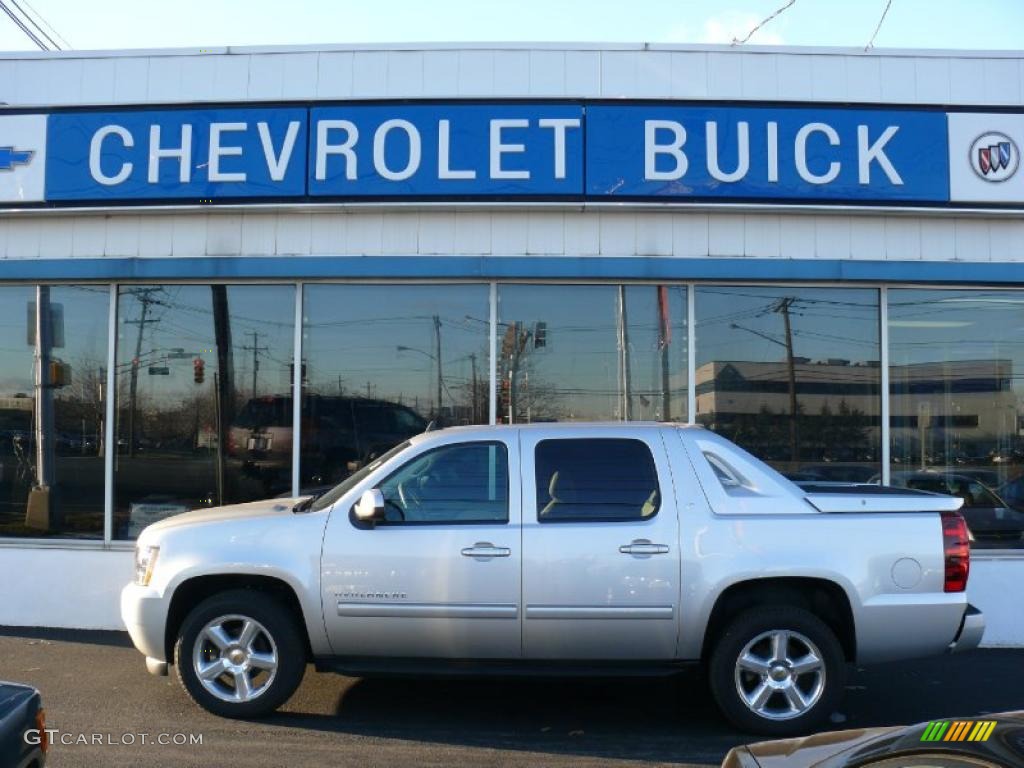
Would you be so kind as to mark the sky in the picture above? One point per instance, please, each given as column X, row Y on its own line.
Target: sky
column 106, row 24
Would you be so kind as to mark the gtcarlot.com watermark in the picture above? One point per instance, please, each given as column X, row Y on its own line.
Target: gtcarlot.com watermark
column 55, row 736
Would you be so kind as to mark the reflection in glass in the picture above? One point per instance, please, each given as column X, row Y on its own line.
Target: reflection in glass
column 381, row 362
column 591, row 352
column 52, row 377
column 792, row 375
column 204, row 411
column 956, row 370
column 461, row 483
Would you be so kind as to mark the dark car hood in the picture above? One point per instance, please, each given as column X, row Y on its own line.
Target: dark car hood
column 13, row 694
column 837, row 749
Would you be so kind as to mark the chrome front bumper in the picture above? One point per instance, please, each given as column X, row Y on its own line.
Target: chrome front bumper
column 972, row 628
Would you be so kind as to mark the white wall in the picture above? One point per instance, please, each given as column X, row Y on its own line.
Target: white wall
column 686, row 234
column 995, row 588
column 636, row 71
column 53, row 587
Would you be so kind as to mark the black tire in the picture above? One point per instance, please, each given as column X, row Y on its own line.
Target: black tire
column 278, row 631
column 727, row 678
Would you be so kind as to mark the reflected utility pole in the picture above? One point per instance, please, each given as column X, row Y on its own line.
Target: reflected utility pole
column 783, row 307
column 664, row 339
column 145, row 297
column 625, row 377
column 44, row 389
column 256, row 350
column 437, row 357
column 472, row 362
column 516, row 340
column 223, row 379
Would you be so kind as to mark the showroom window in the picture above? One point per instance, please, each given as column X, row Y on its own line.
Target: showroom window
column 203, row 398
column 382, row 362
column 793, row 375
column 203, row 407
column 591, row 352
column 52, row 381
column 956, row 377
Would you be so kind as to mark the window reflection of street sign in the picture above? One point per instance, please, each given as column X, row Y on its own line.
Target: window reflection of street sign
column 142, row 514
column 56, row 325
column 159, row 370
column 924, row 415
column 540, row 335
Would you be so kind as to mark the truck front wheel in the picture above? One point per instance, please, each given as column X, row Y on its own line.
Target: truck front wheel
column 240, row 654
column 777, row 671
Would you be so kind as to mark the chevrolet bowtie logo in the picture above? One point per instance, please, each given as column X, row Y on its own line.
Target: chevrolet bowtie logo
column 10, row 157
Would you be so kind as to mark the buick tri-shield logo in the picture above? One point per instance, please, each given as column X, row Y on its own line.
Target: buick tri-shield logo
column 994, row 156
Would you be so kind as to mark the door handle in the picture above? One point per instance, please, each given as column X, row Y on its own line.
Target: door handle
column 643, row 547
column 484, row 549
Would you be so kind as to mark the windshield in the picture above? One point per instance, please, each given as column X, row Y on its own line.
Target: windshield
column 354, row 479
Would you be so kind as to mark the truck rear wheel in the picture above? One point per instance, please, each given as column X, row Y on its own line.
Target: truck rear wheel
column 240, row 654
column 777, row 671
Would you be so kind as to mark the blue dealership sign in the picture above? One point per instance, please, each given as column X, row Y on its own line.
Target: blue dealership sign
column 767, row 153
column 446, row 150
column 176, row 154
column 546, row 151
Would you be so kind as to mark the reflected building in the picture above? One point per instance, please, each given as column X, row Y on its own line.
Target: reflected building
column 836, row 415
column 941, row 413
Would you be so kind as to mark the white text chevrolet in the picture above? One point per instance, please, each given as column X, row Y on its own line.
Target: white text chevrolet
column 557, row 549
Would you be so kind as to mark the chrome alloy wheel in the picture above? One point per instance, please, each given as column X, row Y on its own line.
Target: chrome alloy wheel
column 235, row 658
column 780, row 674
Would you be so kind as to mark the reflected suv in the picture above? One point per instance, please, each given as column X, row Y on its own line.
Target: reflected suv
column 339, row 434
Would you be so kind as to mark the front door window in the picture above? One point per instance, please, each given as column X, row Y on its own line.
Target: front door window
column 464, row 483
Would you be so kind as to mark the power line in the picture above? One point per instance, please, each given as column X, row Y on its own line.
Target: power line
column 33, row 22
column 885, row 12
column 21, row 25
column 763, row 22
column 48, row 25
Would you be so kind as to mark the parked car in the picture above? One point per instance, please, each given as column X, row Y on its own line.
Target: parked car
column 338, row 433
column 1012, row 491
column 23, row 738
column 993, row 523
column 834, row 473
column 610, row 549
column 992, row 741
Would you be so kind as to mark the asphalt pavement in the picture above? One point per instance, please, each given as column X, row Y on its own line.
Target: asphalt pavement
column 110, row 712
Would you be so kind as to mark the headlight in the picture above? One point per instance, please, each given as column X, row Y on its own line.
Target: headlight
column 145, row 562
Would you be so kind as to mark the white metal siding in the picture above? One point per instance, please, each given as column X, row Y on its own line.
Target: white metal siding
column 511, row 233
column 659, row 72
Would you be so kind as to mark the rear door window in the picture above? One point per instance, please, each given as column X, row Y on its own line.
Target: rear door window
column 595, row 479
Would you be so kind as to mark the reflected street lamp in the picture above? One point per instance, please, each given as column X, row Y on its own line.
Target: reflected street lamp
column 437, row 361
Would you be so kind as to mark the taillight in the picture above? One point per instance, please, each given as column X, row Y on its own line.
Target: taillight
column 956, row 548
column 44, row 737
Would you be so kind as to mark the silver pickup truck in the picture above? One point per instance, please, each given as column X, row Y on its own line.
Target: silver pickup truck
column 560, row 549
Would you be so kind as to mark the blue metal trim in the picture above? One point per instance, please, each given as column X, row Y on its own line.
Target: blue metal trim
column 508, row 267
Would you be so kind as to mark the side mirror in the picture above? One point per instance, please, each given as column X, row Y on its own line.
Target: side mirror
column 370, row 507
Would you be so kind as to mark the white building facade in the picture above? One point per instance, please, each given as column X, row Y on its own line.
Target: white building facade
column 227, row 274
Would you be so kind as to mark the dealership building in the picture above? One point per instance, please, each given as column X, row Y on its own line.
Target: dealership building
column 234, row 273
